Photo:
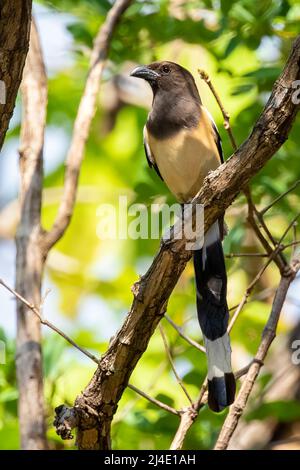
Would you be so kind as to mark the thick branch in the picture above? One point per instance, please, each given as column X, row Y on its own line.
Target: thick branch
column 15, row 18
column 85, row 114
column 99, row 400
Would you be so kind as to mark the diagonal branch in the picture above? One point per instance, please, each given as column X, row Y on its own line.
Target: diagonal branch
column 85, row 114
column 98, row 402
column 277, row 199
column 269, row 333
column 156, row 402
column 184, row 336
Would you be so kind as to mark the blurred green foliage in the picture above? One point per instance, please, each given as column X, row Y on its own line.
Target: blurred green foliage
column 243, row 45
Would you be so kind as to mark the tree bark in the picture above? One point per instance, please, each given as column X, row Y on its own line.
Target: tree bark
column 34, row 243
column 96, row 405
column 29, row 261
column 15, row 17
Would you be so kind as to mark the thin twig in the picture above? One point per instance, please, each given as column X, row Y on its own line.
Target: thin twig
column 43, row 321
column 173, row 365
column 246, row 255
column 295, row 242
column 280, row 259
column 252, row 212
column 291, row 225
column 188, row 417
column 50, row 325
column 252, row 285
column 156, row 402
column 264, row 226
column 225, row 114
column 184, row 336
column 259, row 296
column 281, row 196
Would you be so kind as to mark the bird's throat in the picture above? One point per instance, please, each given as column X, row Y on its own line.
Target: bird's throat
column 171, row 113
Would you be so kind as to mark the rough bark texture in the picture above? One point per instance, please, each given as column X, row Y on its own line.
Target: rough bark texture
column 15, row 17
column 29, row 261
column 97, row 404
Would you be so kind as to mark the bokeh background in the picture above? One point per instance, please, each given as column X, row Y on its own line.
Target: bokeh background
column 243, row 45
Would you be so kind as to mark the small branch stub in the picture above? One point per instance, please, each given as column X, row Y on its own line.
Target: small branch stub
column 66, row 419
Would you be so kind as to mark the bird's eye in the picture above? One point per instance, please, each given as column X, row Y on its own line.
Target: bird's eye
column 165, row 69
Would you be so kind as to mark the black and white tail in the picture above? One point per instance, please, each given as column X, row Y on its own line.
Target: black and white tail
column 211, row 284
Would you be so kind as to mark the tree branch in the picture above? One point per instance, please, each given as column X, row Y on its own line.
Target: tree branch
column 156, row 402
column 268, row 207
column 85, row 114
column 189, row 414
column 29, row 261
column 184, row 336
column 38, row 313
column 269, row 333
column 168, row 352
column 98, row 402
column 225, row 114
column 32, row 242
column 272, row 257
column 15, row 22
column 44, row 321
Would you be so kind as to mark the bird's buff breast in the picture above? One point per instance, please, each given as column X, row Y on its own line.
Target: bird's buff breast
column 184, row 160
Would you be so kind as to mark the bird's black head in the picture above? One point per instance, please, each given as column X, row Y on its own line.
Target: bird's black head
column 167, row 76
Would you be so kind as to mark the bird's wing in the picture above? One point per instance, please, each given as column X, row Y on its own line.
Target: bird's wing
column 217, row 136
column 150, row 157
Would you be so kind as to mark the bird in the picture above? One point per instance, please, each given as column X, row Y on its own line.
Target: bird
column 182, row 144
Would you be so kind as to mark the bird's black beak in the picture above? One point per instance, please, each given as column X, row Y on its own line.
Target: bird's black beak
column 144, row 72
